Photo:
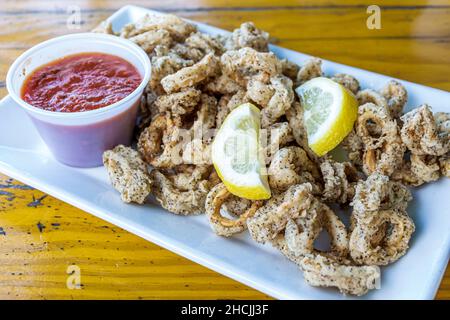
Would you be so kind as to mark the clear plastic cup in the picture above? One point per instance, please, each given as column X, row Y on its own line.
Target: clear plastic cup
column 79, row 139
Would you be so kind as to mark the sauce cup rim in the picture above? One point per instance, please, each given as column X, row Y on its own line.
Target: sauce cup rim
column 134, row 48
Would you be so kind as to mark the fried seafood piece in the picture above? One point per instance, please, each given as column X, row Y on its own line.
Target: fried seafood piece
column 294, row 116
column 273, row 138
column 289, row 69
column 223, row 85
column 229, row 102
column 104, row 27
column 354, row 146
column 205, row 43
column 326, row 271
column 191, row 76
column 220, row 224
column 290, row 166
column 381, row 237
column 163, row 66
column 246, row 63
column 188, row 53
column 236, row 206
column 396, row 96
column 418, row 170
column 150, row 39
column 280, row 101
column 371, row 96
column 421, row 133
column 377, row 192
column 172, row 196
column 160, row 143
column 311, row 69
column 271, row 219
column 339, row 181
column 128, row 173
column 347, row 81
column 177, row 27
column 179, row 103
column 248, row 36
column 383, row 146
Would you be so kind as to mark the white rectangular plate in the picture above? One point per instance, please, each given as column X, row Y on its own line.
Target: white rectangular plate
column 417, row 275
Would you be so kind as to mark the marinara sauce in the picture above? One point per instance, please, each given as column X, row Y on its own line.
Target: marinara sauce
column 80, row 82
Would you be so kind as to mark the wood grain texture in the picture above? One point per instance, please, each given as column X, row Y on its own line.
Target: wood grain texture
column 41, row 236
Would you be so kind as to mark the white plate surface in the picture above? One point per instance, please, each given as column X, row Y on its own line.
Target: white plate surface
column 417, row 275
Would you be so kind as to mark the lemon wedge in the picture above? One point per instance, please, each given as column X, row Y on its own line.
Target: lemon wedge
column 236, row 154
column 330, row 110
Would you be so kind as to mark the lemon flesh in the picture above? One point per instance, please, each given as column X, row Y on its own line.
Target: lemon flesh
column 236, row 157
column 330, row 110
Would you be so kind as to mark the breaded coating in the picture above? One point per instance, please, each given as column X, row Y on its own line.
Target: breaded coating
column 104, row 27
column 421, row 134
column 177, row 27
column 128, row 173
column 324, row 271
column 191, row 76
column 289, row 166
column 311, row 69
column 248, row 36
column 347, row 81
column 220, row 224
column 371, row 96
column 205, row 43
column 280, row 101
column 150, row 39
column 273, row 138
column 339, row 181
column 396, row 96
column 179, row 201
column 179, row 103
column 246, row 63
column 223, row 85
column 289, row 69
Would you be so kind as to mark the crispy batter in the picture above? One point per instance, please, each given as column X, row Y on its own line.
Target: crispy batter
column 150, row 39
column 223, row 85
column 383, row 147
column 128, row 173
column 371, row 96
column 104, row 27
column 164, row 66
column 220, row 224
column 178, row 28
column 381, row 237
column 179, row 201
column 311, row 69
column 248, row 36
column 419, row 170
column 280, row 101
column 236, row 206
column 347, row 81
column 289, row 69
column 339, row 181
column 396, row 96
column 420, row 133
column 277, row 135
column 444, row 163
column 179, row 103
column 289, row 166
column 190, row 76
column 324, row 271
column 205, row 43
column 354, row 146
column 378, row 193
column 246, row 63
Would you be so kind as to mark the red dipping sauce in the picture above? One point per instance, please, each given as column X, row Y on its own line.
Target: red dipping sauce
column 80, row 82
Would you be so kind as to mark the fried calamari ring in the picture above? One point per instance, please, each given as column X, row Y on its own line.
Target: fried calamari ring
column 179, row 201
column 128, row 173
column 347, row 81
column 327, row 271
column 354, row 146
column 339, row 181
column 248, row 36
column 311, row 69
column 371, row 96
column 378, row 193
column 220, row 224
column 381, row 237
column 444, row 163
column 246, row 63
column 178, row 103
column 191, row 76
column 277, row 136
column 422, row 135
column 280, row 101
column 160, row 143
column 383, row 146
column 396, row 96
column 290, row 69
column 289, row 166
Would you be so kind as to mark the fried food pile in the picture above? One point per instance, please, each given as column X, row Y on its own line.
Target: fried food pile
column 197, row 79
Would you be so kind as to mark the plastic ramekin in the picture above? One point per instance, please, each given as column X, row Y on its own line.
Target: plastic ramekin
column 79, row 139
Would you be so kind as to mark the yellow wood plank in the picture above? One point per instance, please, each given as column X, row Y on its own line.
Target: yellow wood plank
column 413, row 44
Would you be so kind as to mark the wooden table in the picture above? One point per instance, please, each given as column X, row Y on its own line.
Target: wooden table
column 41, row 236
